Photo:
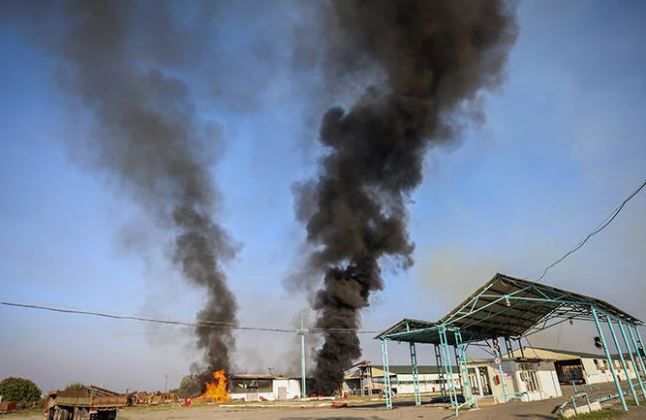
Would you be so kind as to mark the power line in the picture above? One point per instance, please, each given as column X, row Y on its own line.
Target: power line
column 235, row 326
column 201, row 324
column 601, row 227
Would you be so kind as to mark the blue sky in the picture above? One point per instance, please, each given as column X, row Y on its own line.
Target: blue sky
column 562, row 145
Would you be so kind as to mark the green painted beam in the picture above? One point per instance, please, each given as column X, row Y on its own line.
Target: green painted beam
column 608, row 358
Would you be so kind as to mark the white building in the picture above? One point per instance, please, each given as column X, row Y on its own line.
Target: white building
column 260, row 387
column 522, row 378
column 367, row 379
column 525, row 379
column 580, row 367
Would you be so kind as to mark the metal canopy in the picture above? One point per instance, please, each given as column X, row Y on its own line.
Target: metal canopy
column 506, row 307
column 511, row 308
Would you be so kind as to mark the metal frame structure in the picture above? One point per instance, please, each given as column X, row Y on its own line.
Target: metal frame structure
column 511, row 308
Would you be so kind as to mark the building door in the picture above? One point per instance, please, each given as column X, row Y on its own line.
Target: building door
column 484, row 380
column 569, row 371
column 282, row 393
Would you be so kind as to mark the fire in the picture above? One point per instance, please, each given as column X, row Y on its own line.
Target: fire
column 217, row 390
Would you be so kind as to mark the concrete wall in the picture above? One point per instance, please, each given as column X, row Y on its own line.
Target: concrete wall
column 599, row 372
column 549, row 382
column 292, row 386
column 252, row 396
column 592, row 373
column 546, row 380
column 428, row 383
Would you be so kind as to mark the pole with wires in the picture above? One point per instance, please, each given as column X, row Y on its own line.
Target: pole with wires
column 301, row 332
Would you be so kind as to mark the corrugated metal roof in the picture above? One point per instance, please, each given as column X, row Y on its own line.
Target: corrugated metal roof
column 505, row 306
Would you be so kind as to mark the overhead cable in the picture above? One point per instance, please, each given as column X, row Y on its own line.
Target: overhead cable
column 601, row 227
column 201, row 324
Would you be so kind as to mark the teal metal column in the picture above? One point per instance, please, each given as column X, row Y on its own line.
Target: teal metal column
column 464, row 368
column 415, row 372
column 387, row 389
column 636, row 348
column 502, row 377
column 448, row 369
column 508, row 347
column 632, row 358
column 622, row 360
column 440, row 369
column 597, row 324
column 641, row 342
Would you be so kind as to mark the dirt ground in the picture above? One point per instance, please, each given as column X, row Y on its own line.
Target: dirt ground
column 514, row 410
column 369, row 410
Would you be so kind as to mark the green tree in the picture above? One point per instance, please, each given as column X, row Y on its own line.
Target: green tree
column 19, row 390
column 189, row 387
column 76, row 386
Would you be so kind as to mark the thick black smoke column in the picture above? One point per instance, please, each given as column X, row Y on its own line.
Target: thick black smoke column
column 122, row 61
column 434, row 56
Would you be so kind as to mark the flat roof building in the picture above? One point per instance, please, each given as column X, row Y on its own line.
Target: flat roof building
column 367, row 379
column 263, row 387
column 581, row 367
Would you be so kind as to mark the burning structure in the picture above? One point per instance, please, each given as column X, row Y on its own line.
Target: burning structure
column 217, row 390
column 433, row 61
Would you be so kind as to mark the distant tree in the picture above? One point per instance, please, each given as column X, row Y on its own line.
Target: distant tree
column 189, row 387
column 76, row 386
column 19, row 390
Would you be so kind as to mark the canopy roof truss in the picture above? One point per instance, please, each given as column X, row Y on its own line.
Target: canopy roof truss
column 511, row 308
column 507, row 307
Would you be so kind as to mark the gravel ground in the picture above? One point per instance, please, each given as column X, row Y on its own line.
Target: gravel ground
column 514, row 410
column 363, row 410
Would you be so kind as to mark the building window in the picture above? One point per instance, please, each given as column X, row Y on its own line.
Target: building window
column 528, row 375
column 600, row 364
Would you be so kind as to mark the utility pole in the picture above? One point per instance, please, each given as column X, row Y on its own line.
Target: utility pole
column 301, row 332
column 165, row 383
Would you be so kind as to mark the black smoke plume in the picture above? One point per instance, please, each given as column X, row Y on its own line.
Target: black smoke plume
column 122, row 61
column 434, row 58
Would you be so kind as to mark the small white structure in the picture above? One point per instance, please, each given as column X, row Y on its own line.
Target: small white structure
column 262, row 387
column 367, row 379
column 522, row 378
column 286, row 388
column 580, row 367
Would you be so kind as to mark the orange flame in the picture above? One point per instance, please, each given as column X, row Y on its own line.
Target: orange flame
column 217, row 390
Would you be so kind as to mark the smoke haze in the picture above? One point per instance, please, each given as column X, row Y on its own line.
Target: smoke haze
column 434, row 59
column 121, row 61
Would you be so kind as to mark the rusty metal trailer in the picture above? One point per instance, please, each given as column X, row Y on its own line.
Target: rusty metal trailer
column 83, row 405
